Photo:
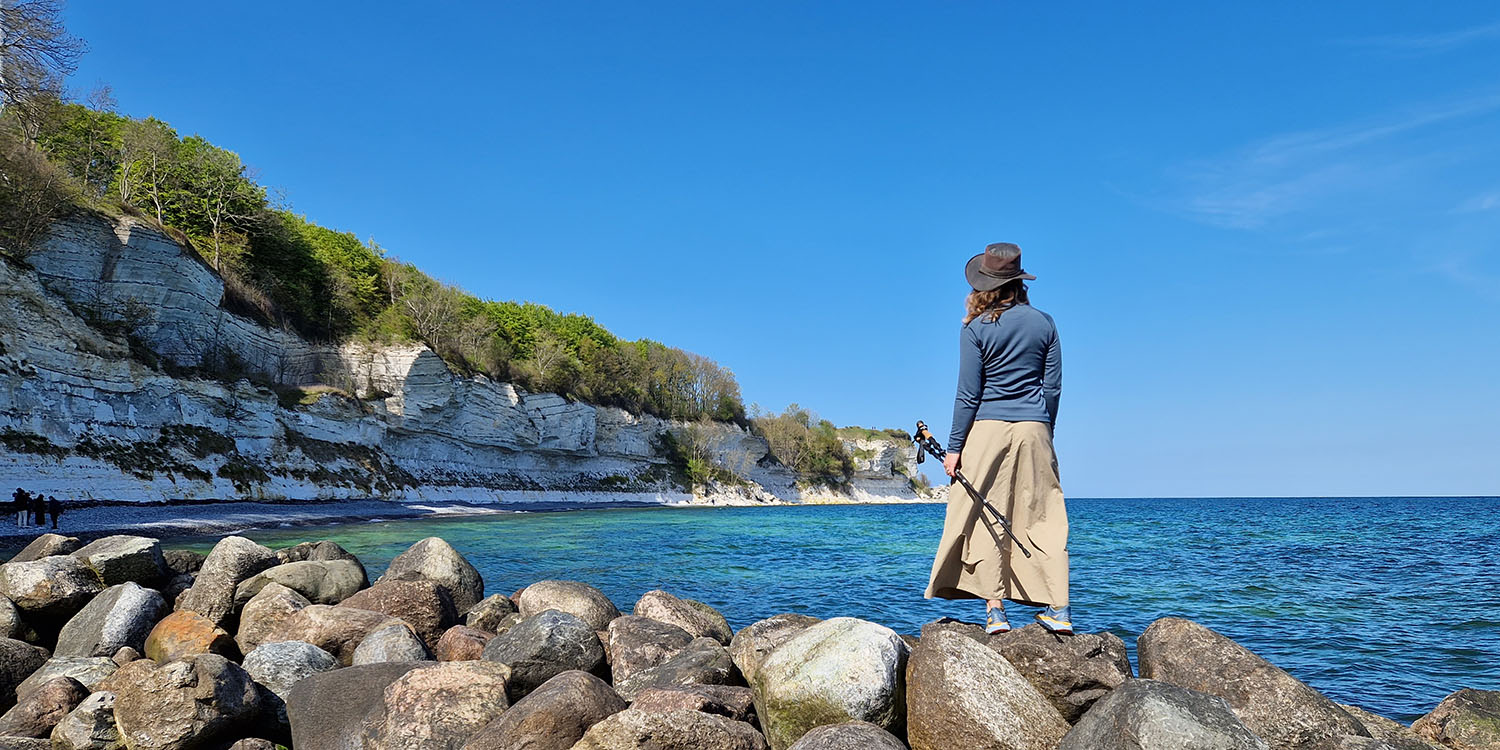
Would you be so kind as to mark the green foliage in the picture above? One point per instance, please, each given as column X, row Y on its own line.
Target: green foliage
column 805, row 444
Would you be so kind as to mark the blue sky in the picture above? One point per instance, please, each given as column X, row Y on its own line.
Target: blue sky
column 1269, row 232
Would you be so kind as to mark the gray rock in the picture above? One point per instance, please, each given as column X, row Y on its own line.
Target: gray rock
column 1466, row 719
column 41, row 710
column 433, row 559
column 47, row 545
column 176, row 586
column 1072, row 671
column 90, row 726
column 126, row 655
column 487, row 614
column 438, row 707
column 750, row 646
column 543, row 646
column 123, row 558
column 835, row 671
column 183, row 704
column 1151, row 715
column 321, row 581
column 1392, row 732
column 1347, row 742
column 637, row 643
column 280, row 666
column 265, row 612
column 12, row 625
column 1277, row 707
column 729, row 701
column 552, row 717
column 969, row 630
column 121, row 616
column 701, row 662
column 337, row 630
column 320, row 550
column 52, row 588
column 253, row 744
column 851, row 735
column 231, row 562
column 393, row 642
column 183, row 561
column 327, row 710
column 578, row 599
column 24, row 743
column 423, row 605
column 697, row 618
column 88, row 671
column 17, row 661
column 670, row 730
column 963, row 694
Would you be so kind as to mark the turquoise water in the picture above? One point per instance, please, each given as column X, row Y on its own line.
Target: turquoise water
column 1387, row 603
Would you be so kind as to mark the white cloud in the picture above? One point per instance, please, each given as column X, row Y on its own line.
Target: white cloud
column 1424, row 44
column 1481, row 203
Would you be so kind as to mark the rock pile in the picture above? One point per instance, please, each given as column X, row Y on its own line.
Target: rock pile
column 120, row 644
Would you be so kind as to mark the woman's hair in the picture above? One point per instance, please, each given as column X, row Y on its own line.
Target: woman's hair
column 996, row 301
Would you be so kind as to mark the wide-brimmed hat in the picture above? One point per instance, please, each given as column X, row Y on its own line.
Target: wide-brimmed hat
column 999, row 264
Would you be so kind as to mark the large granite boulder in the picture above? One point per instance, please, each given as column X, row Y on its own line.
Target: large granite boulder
column 729, row 701
column 18, row 660
column 1276, row 706
column 392, row 642
column 851, row 735
column 838, row 670
column 553, row 717
column 89, row 726
column 37, row 713
column 123, row 558
column 320, row 550
column 433, row 559
column 183, row 704
column 461, row 643
column 1072, row 671
column 751, row 645
column 88, row 671
column 1466, row 720
column 183, row 561
column 121, row 616
column 327, row 710
column 47, row 545
column 1151, row 715
column 265, row 612
column 670, row 730
column 543, row 646
column 278, row 667
column 231, row 562
column 186, row 633
column 697, row 618
column 637, row 643
column 337, row 630
column 438, row 707
column 423, row 605
column 578, row 599
column 1388, row 730
column 12, row 624
column 963, row 694
column 701, row 662
column 52, row 588
column 321, row 581
column 488, row 613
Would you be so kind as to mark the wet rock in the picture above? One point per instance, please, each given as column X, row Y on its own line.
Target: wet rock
column 750, row 646
column 1466, row 720
column 851, row 735
column 47, row 545
column 41, row 710
column 1277, row 707
column 186, row 633
column 327, row 710
column 423, row 605
column 1393, row 732
column 89, row 671
column 123, row 558
column 337, row 630
column 1151, row 715
column 487, row 614
column 52, row 588
column 1072, row 671
column 543, row 646
column 90, row 726
column 183, row 704
column 433, row 559
column 265, row 612
column 835, row 671
column 280, row 666
column 963, row 694
column 438, row 707
column 729, row 701
column 670, row 730
column 392, row 642
column 553, row 717
column 321, row 581
column 461, row 643
column 697, row 618
column 637, row 643
column 231, row 562
column 17, row 661
column 183, row 561
column 121, row 616
column 12, row 624
column 701, row 662
column 578, row 599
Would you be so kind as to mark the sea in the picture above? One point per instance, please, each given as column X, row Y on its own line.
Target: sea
column 1385, row 603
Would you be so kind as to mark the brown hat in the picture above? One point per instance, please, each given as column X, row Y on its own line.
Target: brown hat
column 999, row 264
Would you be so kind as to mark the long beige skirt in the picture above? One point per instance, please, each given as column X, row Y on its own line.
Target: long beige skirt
column 1013, row 465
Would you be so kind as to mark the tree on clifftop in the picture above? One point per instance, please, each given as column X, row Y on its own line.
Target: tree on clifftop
column 36, row 52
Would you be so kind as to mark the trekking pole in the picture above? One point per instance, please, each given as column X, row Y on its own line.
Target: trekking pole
column 926, row 442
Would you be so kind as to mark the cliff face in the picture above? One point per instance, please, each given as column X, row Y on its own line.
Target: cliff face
column 81, row 415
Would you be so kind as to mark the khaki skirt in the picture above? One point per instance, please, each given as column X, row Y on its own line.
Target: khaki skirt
column 1013, row 465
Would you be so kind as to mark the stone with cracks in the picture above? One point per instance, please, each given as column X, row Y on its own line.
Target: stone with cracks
column 52, row 588
column 90, row 726
column 423, row 605
column 183, row 704
column 963, row 694
column 670, row 730
column 280, row 666
column 1151, row 715
column 701, row 662
column 543, row 646
column 121, row 616
column 265, row 612
column 17, row 661
column 89, row 671
column 487, row 614
column 392, row 642
column 752, row 644
column 37, row 713
column 438, row 707
column 123, row 558
column 327, row 710
column 697, row 618
column 851, row 735
column 186, row 633
column 730, row 701
column 337, row 630
column 578, row 599
column 1466, row 720
column 47, row 545
column 433, row 559
column 1072, row 671
column 321, row 581
column 637, row 643
column 553, row 717
column 461, row 643
column 231, row 562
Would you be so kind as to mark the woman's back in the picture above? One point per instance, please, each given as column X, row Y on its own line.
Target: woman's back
column 1010, row 369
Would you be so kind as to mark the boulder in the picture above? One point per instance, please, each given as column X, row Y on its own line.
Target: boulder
column 176, row 586
column 851, row 735
column 751, row 645
column 183, row 704
column 90, row 726
column 1151, row 715
column 47, row 545
column 265, row 612
column 637, row 643
column 578, row 599
column 121, row 616
column 24, row 743
column 321, row 550
column 433, row 559
column 18, row 660
column 393, row 641
column 461, row 643
column 231, row 562
column 543, row 646
column 835, row 671
column 12, row 625
column 697, row 618
column 186, row 633
column 321, row 581
column 123, row 558
column 1466, row 720
column 253, row 744
column 963, row 694
column 1277, row 707
column 327, row 710
column 701, row 662
column 52, row 588
column 1391, row 731
column 1347, row 742
column 126, row 655
column 487, row 614
column 553, row 717
column 967, row 629
column 1072, row 671
column 337, row 630
column 183, row 561
column 89, row 671
column 37, row 713
column 729, row 701
column 438, row 707
column 280, row 666
column 423, row 605
column 670, row 730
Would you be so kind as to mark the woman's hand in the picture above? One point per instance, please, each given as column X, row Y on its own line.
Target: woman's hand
column 950, row 464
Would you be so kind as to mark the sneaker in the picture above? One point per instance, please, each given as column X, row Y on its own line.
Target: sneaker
column 995, row 622
column 1057, row 620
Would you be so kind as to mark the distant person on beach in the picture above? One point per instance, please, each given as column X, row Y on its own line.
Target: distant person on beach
column 39, row 509
column 1009, row 385
column 54, row 508
column 22, row 506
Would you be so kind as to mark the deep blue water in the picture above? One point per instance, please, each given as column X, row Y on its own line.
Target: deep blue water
column 1390, row 604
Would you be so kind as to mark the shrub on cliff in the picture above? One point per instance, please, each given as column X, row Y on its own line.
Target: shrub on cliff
column 809, row 446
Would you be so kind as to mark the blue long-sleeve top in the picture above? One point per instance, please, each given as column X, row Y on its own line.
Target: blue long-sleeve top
column 1008, row 369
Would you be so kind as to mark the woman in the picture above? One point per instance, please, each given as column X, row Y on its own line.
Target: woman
column 1009, row 383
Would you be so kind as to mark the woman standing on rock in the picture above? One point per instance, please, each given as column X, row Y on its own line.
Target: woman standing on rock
column 1009, row 384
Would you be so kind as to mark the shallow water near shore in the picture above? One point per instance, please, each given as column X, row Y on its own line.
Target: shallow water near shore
column 1387, row 603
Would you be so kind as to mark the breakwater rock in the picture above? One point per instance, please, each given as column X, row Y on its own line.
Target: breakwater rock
column 424, row 660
